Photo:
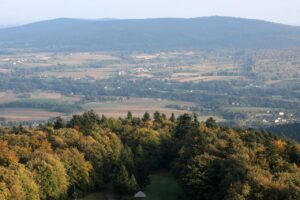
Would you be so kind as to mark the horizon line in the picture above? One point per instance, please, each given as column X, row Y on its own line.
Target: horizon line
column 147, row 18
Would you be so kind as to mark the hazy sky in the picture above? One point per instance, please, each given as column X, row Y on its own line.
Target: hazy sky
column 24, row 11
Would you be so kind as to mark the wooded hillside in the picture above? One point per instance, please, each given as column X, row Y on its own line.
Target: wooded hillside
column 89, row 153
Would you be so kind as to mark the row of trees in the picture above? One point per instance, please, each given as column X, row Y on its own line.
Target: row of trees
column 63, row 159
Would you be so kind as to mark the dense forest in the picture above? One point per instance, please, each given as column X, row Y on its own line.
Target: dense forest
column 64, row 159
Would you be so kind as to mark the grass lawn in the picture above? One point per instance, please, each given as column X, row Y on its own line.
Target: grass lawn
column 94, row 196
column 163, row 187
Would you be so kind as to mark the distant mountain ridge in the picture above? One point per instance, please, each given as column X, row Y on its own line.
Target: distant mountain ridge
column 150, row 34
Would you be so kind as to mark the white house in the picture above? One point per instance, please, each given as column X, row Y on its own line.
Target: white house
column 140, row 194
column 281, row 113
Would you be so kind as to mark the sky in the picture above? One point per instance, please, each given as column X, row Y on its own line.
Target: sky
column 14, row 12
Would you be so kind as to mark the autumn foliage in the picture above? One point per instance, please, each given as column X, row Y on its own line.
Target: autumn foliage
column 61, row 160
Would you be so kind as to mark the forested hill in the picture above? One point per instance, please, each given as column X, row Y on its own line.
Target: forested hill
column 93, row 153
column 150, row 34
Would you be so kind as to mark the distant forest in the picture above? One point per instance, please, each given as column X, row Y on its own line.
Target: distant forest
column 90, row 153
column 150, row 35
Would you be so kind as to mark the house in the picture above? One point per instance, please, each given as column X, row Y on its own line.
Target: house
column 122, row 73
column 281, row 113
column 140, row 194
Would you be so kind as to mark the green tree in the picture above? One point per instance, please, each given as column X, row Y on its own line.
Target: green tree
column 50, row 174
column 4, row 192
column 17, row 183
column 129, row 116
column 77, row 168
column 59, row 123
column 157, row 117
column 184, row 126
column 88, row 123
column 211, row 123
column 146, row 117
column 142, row 171
column 123, row 182
column 172, row 118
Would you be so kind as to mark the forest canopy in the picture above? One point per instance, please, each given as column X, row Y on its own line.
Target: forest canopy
column 88, row 153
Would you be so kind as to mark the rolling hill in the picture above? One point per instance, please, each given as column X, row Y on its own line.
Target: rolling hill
column 150, row 34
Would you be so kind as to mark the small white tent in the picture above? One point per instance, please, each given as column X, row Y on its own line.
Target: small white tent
column 140, row 194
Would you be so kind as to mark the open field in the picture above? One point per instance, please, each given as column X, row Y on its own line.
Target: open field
column 199, row 78
column 42, row 96
column 196, row 66
column 5, row 71
column 29, row 60
column 8, row 96
column 100, row 73
column 27, row 114
column 175, row 65
column 138, row 106
column 35, row 106
column 45, row 95
column 213, row 82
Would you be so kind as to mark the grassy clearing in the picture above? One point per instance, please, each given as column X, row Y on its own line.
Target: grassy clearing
column 163, row 187
column 44, row 97
column 6, row 97
column 101, row 73
column 138, row 106
column 27, row 114
column 38, row 95
column 94, row 196
column 5, row 71
column 29, row 60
